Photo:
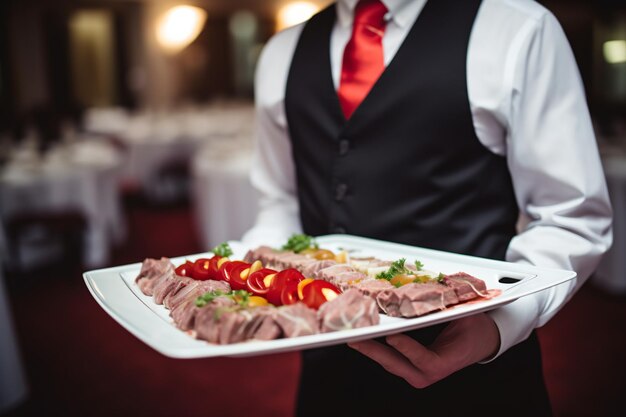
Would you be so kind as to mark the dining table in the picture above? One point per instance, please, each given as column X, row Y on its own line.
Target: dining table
column 214, row 142
column 225, row 203
column 72, row 176
column 152, row 140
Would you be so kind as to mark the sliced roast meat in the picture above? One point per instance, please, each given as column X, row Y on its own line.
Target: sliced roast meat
column 297, row 320
column 212, row 285
column 346, row 280
column 348, row 311
column 151, row 271
column 226, row 323
column 286, row 260
column 205, row 324
column 207, row 319
column 262, row 324
column 184, row 314
column 232, row 324
column 329, row 273
column 413, row 300
column 262, row 253
column 279, row 260
column 189, row 292
column 184, row 310
column 181, row 283
column 168, row 283
column 268, row 329
column 311, row 269
column 466, row 286
column 372, row 287
column 193, row 290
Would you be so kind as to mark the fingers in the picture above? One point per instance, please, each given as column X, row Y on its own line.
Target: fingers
column 460, row 344
column 393, row 361
column 388, row 358
column 420, row 356
column 430, row 364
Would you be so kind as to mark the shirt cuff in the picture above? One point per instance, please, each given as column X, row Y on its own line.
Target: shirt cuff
column 515, row 322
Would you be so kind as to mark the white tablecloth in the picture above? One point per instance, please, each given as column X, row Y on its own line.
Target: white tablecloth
column 225, row 202
column 156, row 139
column 611, row 274
column 80, row 176
column 149, row 144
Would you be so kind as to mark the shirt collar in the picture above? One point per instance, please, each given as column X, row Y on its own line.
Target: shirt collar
column 401, row 12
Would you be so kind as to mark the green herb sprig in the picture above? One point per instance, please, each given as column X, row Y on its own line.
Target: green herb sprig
column 396, row 268
column 223, row 250
column 399, row 268
column 208, row 297
column 299, row 242
column 241, row 297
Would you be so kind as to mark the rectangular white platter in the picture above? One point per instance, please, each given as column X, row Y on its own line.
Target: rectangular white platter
column 116, row 292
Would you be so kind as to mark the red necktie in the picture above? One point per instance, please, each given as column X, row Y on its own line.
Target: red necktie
column 363, row 60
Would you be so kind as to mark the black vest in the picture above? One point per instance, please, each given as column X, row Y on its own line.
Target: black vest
column 407, row 166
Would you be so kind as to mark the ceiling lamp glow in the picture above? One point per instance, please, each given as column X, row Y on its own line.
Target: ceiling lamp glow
column 180, row 26
column 293, row 13
column 614, row 51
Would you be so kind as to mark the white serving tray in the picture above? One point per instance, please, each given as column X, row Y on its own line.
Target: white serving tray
column 116, row 292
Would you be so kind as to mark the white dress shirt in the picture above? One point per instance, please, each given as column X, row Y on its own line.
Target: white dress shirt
column 527, row 103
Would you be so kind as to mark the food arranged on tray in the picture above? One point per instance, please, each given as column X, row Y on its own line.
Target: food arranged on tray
column 299, row 289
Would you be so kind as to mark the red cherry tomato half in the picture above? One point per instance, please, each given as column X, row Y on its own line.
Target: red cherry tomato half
column 280, row 281
column 206, row 268
column 213, row 269
column 289, row 293
column 201, row 269
column 220, row 273
column 237, row 281
column 232, row 274
column 288, row 275
column 185, row 270
column 318, row 292
column 255, row 282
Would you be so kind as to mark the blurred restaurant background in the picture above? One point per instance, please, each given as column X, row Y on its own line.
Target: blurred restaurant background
column 126, row 132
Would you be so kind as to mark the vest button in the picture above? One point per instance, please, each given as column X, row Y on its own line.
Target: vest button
column 340, row 191
column 344, row 147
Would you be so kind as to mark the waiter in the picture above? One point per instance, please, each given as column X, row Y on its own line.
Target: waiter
column 434, row 124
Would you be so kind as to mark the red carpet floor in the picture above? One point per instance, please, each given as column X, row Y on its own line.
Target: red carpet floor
column 80, row 362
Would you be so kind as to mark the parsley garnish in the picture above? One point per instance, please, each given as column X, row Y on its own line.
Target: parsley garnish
column 441, row 278
column 299, row 242
column 396, row 268
column 223, row 250
column 206, row 298
column 421, row 279
column 399, row 268
column 240, row 297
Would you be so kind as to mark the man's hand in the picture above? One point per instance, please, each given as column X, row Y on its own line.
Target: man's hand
column 462, row 343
